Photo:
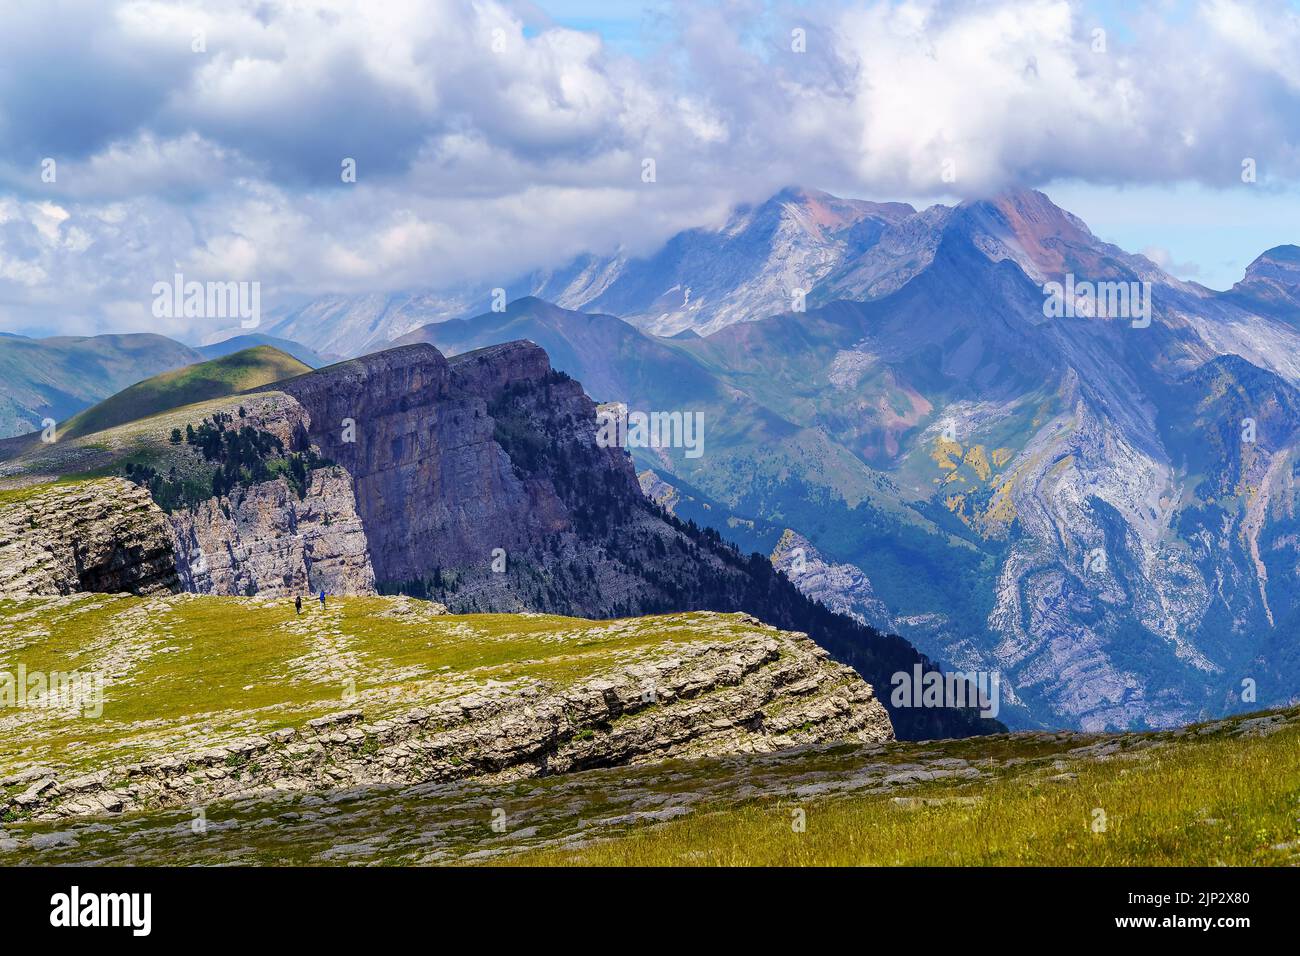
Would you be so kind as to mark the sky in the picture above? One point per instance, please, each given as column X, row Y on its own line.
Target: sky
column 212, row 138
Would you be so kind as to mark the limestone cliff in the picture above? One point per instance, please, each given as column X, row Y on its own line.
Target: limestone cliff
column 102, row 535
column 264, row 540
column 433, row 486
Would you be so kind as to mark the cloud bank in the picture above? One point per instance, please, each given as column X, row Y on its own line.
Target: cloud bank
column 138, row 139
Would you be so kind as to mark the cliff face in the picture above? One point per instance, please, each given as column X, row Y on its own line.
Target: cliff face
column 433, row 487
column 264, row 540
column 841, row 587
column 103, row 535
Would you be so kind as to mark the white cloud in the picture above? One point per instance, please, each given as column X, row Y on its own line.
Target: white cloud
column 475, row 165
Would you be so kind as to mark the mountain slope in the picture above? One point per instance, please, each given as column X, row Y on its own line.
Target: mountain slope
column 217, row 378
column 237, row 343
column 1071, row 502
column 58, row 377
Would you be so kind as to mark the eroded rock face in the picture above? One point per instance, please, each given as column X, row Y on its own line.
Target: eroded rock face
column 433, row 487
column 768, row 690
column 105, row 535
column 265, row 540
column 841, row 587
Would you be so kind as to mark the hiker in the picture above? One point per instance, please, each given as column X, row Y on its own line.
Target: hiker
column 322, row 599
column 297, row 604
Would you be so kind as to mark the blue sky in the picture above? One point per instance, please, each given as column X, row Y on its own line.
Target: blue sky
column 623, row 24
column 495, row 137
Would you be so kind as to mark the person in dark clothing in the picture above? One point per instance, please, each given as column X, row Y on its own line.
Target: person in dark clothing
column 322, row 599
column 297, row 604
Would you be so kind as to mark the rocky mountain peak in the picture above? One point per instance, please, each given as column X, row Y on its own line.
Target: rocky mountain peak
column 1271, row 284
column 1026, row 226
column 823, row 214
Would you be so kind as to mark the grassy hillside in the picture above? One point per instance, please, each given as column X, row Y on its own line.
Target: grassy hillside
column 218, row 378
column 240, row 342
column 1224, row 793
column 1226, row 798
column 58, row 377
column 185, row 673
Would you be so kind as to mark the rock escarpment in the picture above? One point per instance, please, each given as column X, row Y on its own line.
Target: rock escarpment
column 843, row 588
column 265, row 540
column 727, row 685
column 102, row 535
column 433, row 486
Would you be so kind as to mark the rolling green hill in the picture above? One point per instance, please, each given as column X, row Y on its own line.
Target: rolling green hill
column 58, row 377
column 240, row 342
column 218, row 378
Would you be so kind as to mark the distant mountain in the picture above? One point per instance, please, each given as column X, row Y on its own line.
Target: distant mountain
column 238, row 343
column 752, row 266
column 702, row 279
column 610, row 356
column 217, row 378
column 1272, row 285
column 352, row 325
column 1098, row 505
column 57, row 377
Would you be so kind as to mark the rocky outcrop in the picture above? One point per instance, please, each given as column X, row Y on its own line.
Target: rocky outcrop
column 264, row 540
column 433, row 485
column 104, row 535
column 471, row 822
column 765, row 691
column 841, row 587
column 659, row 491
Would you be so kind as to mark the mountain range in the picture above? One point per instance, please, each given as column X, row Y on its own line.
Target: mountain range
column 57, row 377
column 1094, row 498
column 1099, row 506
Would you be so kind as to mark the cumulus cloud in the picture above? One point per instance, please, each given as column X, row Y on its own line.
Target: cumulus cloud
column 208, row 136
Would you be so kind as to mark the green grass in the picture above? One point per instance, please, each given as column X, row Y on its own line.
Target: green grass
column 1217, row 801
column 235, row 666
column 185, row 673
column 218, row 378
column 1209, row 795
column 13, row 496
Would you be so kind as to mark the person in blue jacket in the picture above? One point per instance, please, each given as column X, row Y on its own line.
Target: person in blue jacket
column 322, row 599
